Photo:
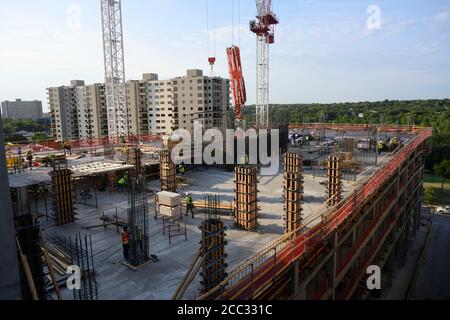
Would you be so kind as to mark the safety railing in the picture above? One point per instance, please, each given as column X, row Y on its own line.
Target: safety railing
column 252, row 274
column 359, row 127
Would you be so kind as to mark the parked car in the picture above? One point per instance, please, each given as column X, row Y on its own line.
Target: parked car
column 444, row 210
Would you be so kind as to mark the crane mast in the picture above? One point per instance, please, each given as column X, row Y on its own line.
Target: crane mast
column 114, row 64
column 264, row 28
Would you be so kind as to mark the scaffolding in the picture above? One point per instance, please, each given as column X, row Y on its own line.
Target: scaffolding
column 246, row 197
column 167, row 172
column 334, row 186
column 213, row 270
column 63, row 194
column 293, row 190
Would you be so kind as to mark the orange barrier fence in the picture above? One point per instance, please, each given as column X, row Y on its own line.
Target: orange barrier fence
column 57, row 146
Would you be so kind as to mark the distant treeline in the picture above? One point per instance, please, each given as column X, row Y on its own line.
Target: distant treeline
column 430, row 113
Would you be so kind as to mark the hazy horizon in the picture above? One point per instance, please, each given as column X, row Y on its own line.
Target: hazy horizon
column 324, row 51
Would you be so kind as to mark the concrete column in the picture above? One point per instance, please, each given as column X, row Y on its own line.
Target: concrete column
column 9, row 267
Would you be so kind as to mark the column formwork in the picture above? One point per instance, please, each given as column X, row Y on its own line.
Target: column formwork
column 168, row 172
column 293, row 190
column 63, row 194
column 334, row 186
column 213, row 250
column 246, row 197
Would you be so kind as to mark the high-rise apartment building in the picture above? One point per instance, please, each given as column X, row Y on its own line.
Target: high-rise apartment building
column 155, row 107
column 19, row 109
column 78, row 111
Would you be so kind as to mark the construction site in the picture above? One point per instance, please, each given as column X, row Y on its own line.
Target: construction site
column 135, row 225
column 297, row 234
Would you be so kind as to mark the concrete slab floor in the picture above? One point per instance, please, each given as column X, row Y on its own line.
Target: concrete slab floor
column 160, row 280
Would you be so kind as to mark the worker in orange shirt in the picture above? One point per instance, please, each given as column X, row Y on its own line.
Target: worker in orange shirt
column 126, row 243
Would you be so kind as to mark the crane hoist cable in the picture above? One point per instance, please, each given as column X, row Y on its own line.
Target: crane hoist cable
column 211, row 57
column 236, row 75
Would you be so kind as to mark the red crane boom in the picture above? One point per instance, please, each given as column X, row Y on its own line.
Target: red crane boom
column 237, row 80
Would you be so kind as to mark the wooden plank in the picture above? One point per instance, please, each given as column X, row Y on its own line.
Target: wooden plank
column 50, row 270
column 28, row 274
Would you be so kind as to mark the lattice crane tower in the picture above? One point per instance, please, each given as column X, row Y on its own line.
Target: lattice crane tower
column 264, row 28
column 114, row 68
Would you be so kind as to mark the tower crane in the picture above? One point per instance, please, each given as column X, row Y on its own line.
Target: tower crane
column 114, row 61
column 211, row 51
column 264, row 28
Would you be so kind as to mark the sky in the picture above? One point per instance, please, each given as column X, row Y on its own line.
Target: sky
column 325, row 50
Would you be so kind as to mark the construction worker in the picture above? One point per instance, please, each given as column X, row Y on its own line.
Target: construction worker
column 121, row 184
column 139, row 239
column 30, row 159
column 189, row 205
column 126, row 243
column 181, row 169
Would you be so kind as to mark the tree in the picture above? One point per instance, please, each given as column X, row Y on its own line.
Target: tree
column 429, row 196
column 443, row 170
column 15, row 138
column 39, row 137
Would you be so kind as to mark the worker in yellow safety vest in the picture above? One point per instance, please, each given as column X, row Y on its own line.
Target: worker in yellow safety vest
column 189, row 205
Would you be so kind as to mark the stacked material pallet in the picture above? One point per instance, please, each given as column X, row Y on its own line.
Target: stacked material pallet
column 246, row 198
column 169, row 204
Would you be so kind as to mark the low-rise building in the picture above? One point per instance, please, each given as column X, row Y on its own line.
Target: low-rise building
column 19, row 109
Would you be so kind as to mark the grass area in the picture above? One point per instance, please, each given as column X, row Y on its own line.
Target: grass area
column 442, row 195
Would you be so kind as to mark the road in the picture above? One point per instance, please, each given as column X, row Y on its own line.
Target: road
column 433, row 280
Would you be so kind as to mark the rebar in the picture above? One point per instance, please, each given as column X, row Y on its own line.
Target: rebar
column 138, row 223
column 213, row 247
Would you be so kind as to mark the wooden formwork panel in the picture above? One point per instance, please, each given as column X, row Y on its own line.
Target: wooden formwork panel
column 168, row 172
column 134, row 158
column 213, row 249
column 246, row 198
column 64, row 208
column 334, row 187
column 293, row 191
